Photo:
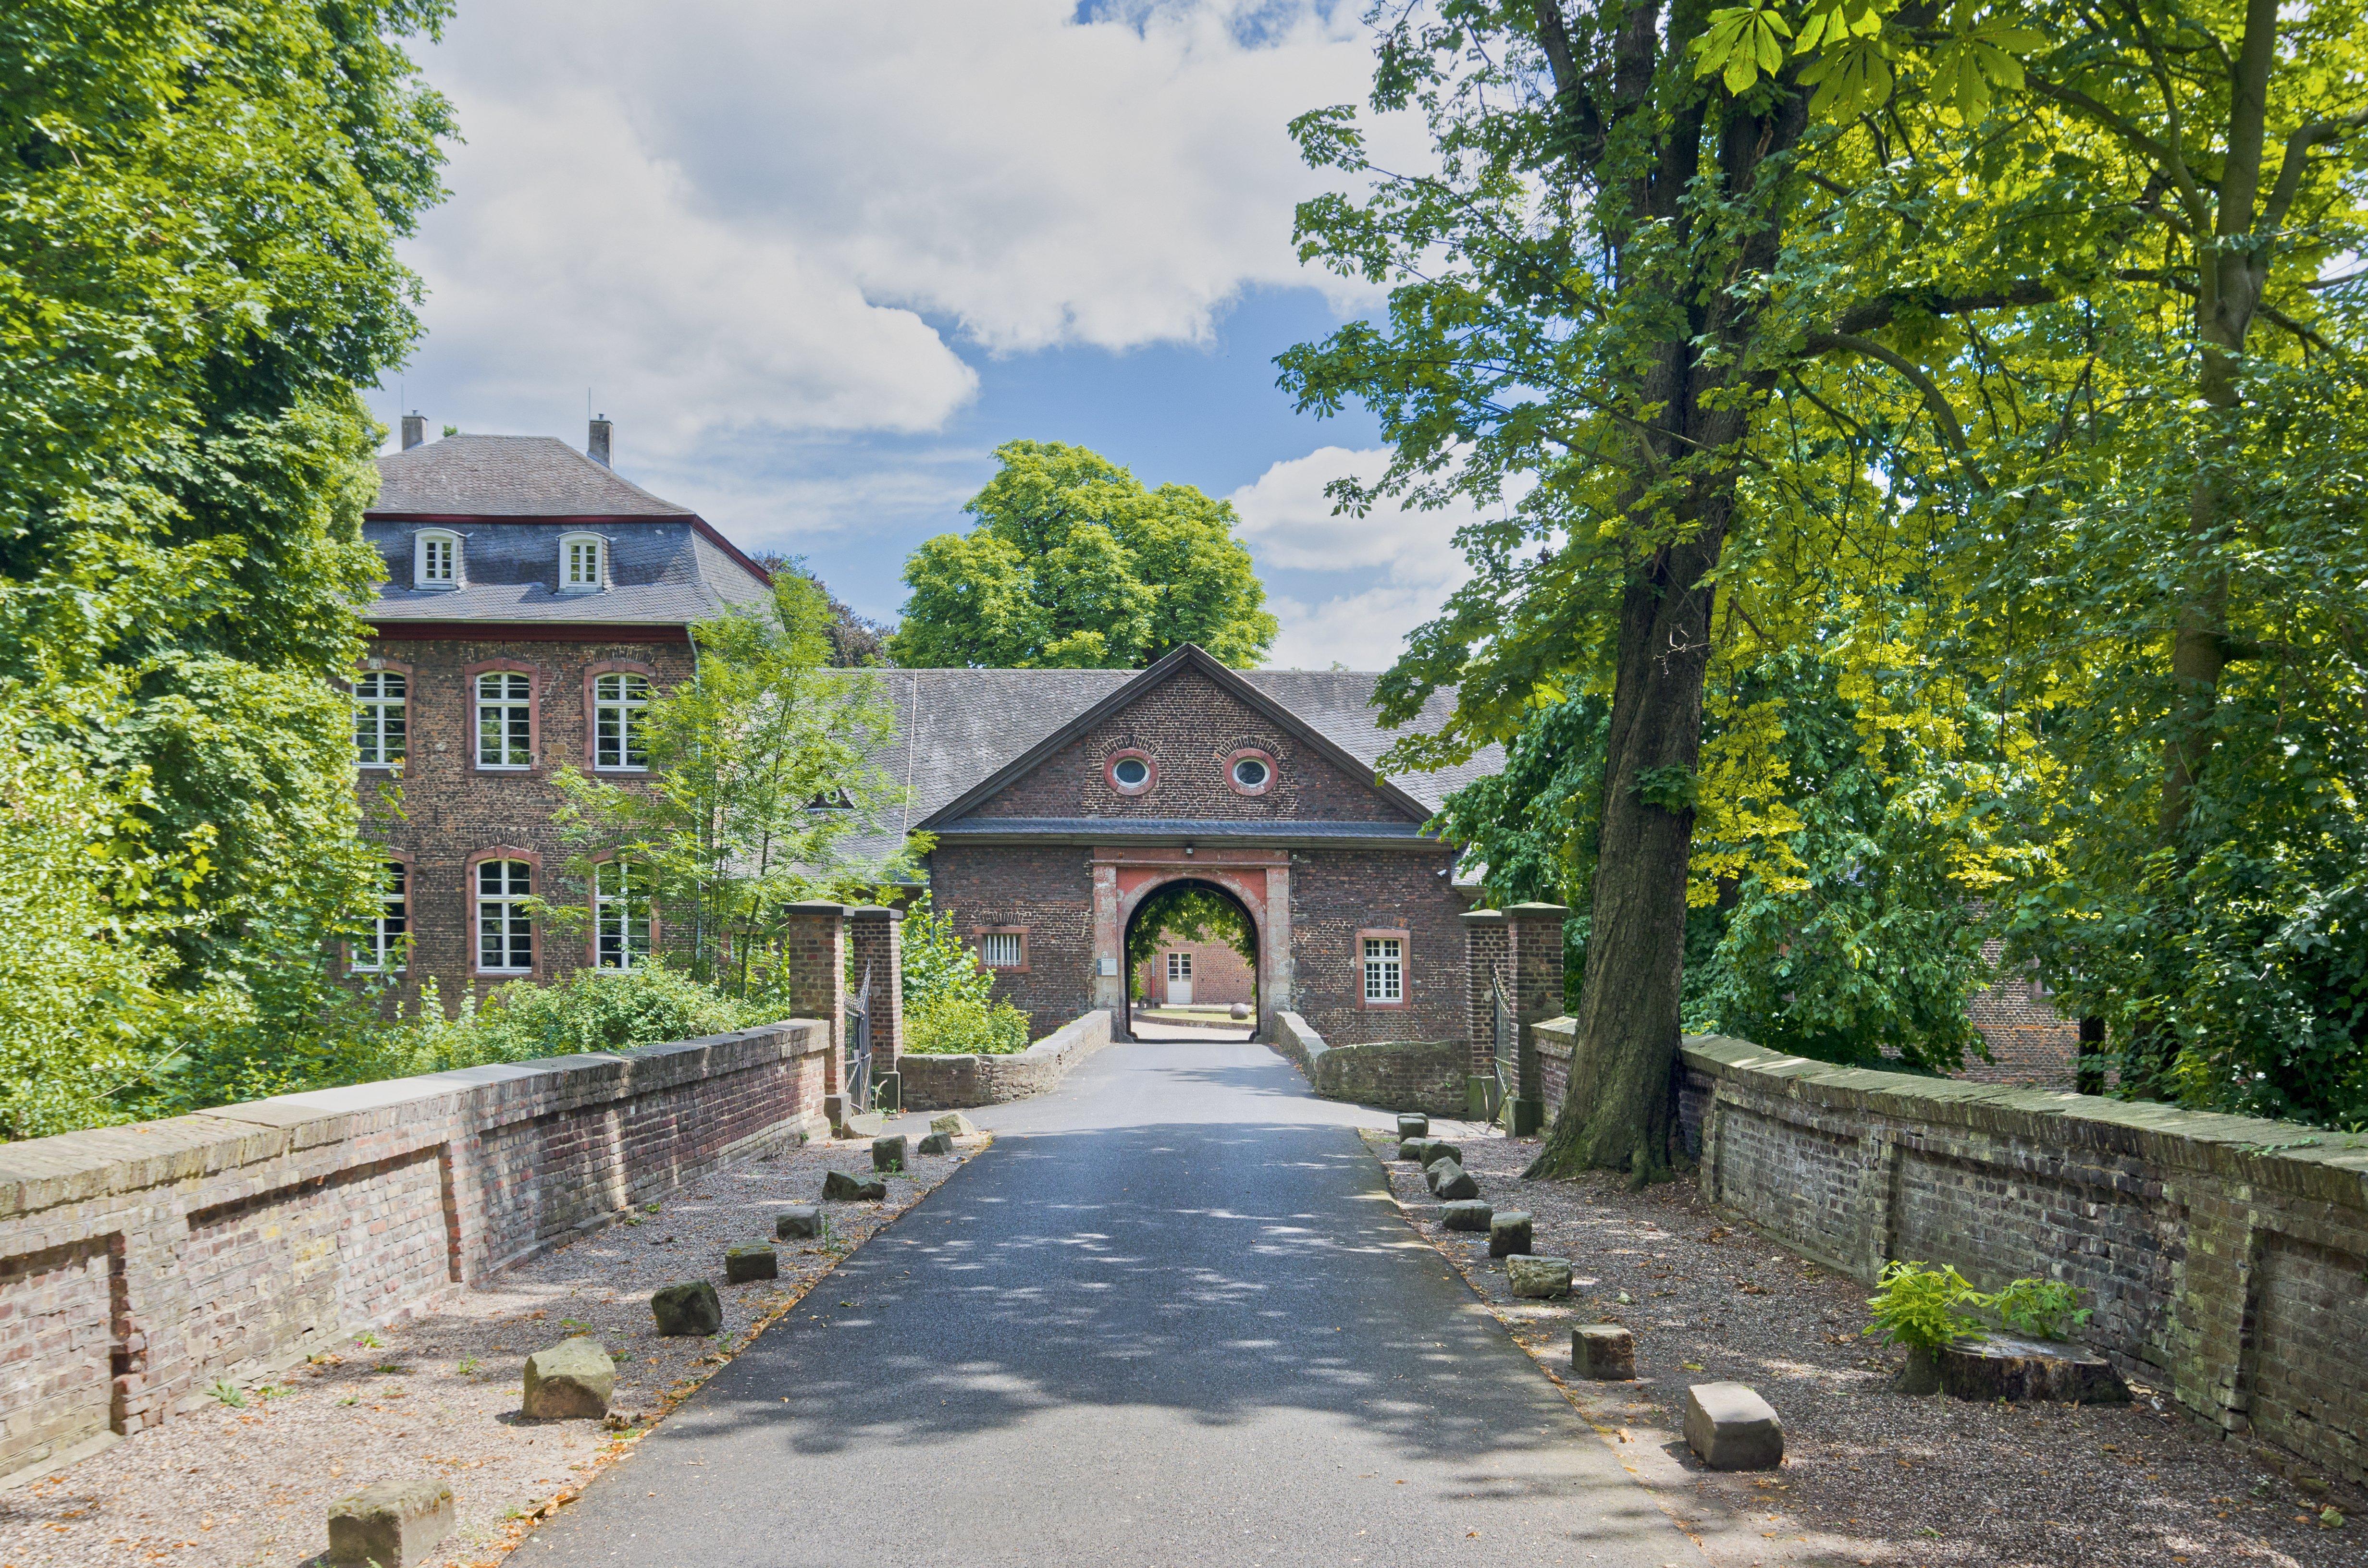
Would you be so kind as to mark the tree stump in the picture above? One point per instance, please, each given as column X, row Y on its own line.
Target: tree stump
column 1996, row 1367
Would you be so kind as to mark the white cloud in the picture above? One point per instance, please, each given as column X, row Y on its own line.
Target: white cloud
column 730, row 217
column 1291, row 529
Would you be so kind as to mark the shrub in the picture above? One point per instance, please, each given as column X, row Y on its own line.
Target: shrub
column 1917, row 1307
column 2043, row 1309
column 956, row 1025
column 592, row 1009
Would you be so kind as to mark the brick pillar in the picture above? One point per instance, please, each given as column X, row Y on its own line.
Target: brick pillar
column 1487, row 952
column 817, row 944
column 1536, row 952
column 876, row 938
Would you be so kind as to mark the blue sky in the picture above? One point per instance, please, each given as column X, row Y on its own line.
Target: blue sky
column 816, row 261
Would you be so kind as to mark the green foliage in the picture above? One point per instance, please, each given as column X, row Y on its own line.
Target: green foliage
column 1073, row 564
column 760, row 779
column 956, row 1026
column 1187, row 914
column 198, row 218
column 2041, row 1309
column 950, row 1004
column 1917, row 1306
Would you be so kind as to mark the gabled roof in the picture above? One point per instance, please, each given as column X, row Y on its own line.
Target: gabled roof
column 1192, row 657
column 507, row 476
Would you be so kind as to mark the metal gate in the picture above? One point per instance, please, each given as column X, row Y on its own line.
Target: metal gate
column 858, row 1048
column 1504, row 1051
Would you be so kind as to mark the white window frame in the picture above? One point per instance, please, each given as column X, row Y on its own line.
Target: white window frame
column 505, row 927
column 382, row 717
column 621, row 925
column 1384, row 966
column 1003, row 949
column 618, row 700
column 571, row 563
column 387, row 949
column 1179, row 966
column 435, row 559
column 510, row 707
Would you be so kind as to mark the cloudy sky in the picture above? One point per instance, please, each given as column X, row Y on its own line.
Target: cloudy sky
column 817, row 259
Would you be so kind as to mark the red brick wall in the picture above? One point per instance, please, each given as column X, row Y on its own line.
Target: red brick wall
column 138, row 1264
column 1220, row 975
column 1049, row 892
column 2029, row 1042
column 452, row 810
column 1336, row 893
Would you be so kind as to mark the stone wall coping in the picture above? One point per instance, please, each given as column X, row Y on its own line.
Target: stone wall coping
column 2332, row 1167
column 1482, row 917
column 1538, row 911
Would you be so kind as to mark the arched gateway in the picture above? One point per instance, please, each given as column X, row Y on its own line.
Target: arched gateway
column 1060, row 799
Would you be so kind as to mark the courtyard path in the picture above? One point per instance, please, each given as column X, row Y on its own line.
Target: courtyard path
column 1171, row 1317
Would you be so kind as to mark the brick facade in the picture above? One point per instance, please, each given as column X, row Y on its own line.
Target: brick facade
column 1220, row 976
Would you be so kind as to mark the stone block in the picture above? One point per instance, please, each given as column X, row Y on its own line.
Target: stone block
column 1452, row 1181
column 838, row 1186
column 936, row 1144
column 1730, row 1428
column 1538, row 1278
column 1603, row 1351
column 1413, row 1124
column 1509, row 1233
column 574, row 1378
column 393, row 1524
column 800, row 1222
column 690, row 1308
column 1466, row 1214
column 743, row 1264
column 953, row 1124
column 1430, row 1150
column 1410, row 1148
column 889, row 1153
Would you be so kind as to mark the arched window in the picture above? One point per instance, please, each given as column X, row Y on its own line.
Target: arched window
column 386, row 946
column 505, row 925
column 435, row 559
column 618, row 701
column 505, row 720
column 582, row 564
column 620, row 916
column 380, row 699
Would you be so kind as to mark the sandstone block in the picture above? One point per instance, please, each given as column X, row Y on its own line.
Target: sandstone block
column 1410, row 1148
column 796, row 1224
column 690, row 1308
column 1538, row 1278
column 1413, row 1124
column 573, row 1378
column 394, row 1524
column 1509, row 1233
column 744, row 1264
column 1733, row 1428
column 888, row 1154
column 936, row 1144
column 1452, row 1181
column 1433, row 1150
column 1604, row 1351
column 953, row 1124
column 1466, row 1214
column 838, row 1186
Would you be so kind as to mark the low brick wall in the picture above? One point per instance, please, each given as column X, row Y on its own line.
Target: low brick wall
column 1424, row 1075
column 2225, row 1258
column 138, row 1264
column 958, row 1083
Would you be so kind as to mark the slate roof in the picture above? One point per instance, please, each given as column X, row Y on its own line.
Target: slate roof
column 511, row 498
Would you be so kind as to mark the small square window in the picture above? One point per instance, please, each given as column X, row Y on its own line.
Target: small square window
column 1003, row 949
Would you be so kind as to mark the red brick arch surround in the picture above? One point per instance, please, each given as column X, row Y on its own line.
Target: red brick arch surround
column 1260, row 878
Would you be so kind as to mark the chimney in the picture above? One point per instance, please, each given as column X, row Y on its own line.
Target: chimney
column 415, row 430
column 597, row 450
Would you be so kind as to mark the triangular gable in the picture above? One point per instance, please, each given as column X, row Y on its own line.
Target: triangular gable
column 1189, row 656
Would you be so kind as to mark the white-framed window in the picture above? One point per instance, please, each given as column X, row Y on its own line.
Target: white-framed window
column 435, row 559
column 1002, row 949
column 1384, row 968
column 618, row 701
column 621, row 917
column 380, row 699
column 505, row 927
column 1180, row 966
column 505, row 720
column 582, row 564
column 386, row 947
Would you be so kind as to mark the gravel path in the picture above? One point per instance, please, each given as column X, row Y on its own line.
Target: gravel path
column 438, row 1396
column 1869, row 1476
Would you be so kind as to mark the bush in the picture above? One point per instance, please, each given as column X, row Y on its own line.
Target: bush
column 592, row 1009
column 956, row 1026
column 2043, row 1309
column 1917, row 1307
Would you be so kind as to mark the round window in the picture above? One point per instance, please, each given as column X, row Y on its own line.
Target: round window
column 1132, row 772
column 1250, row 773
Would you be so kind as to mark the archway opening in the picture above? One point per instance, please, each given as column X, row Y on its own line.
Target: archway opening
column 1191, row 964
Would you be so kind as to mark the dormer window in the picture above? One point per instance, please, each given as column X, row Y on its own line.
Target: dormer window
column 436, row 560
column 582, row 564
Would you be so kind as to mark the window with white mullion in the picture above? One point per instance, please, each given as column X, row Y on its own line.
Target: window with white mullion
column 387, row 944
column 505, row 721
column 618, row 703
column 1002, row 949
column 381, row 700
column 621, row 917
column 1385, row 970
column 505, row 917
